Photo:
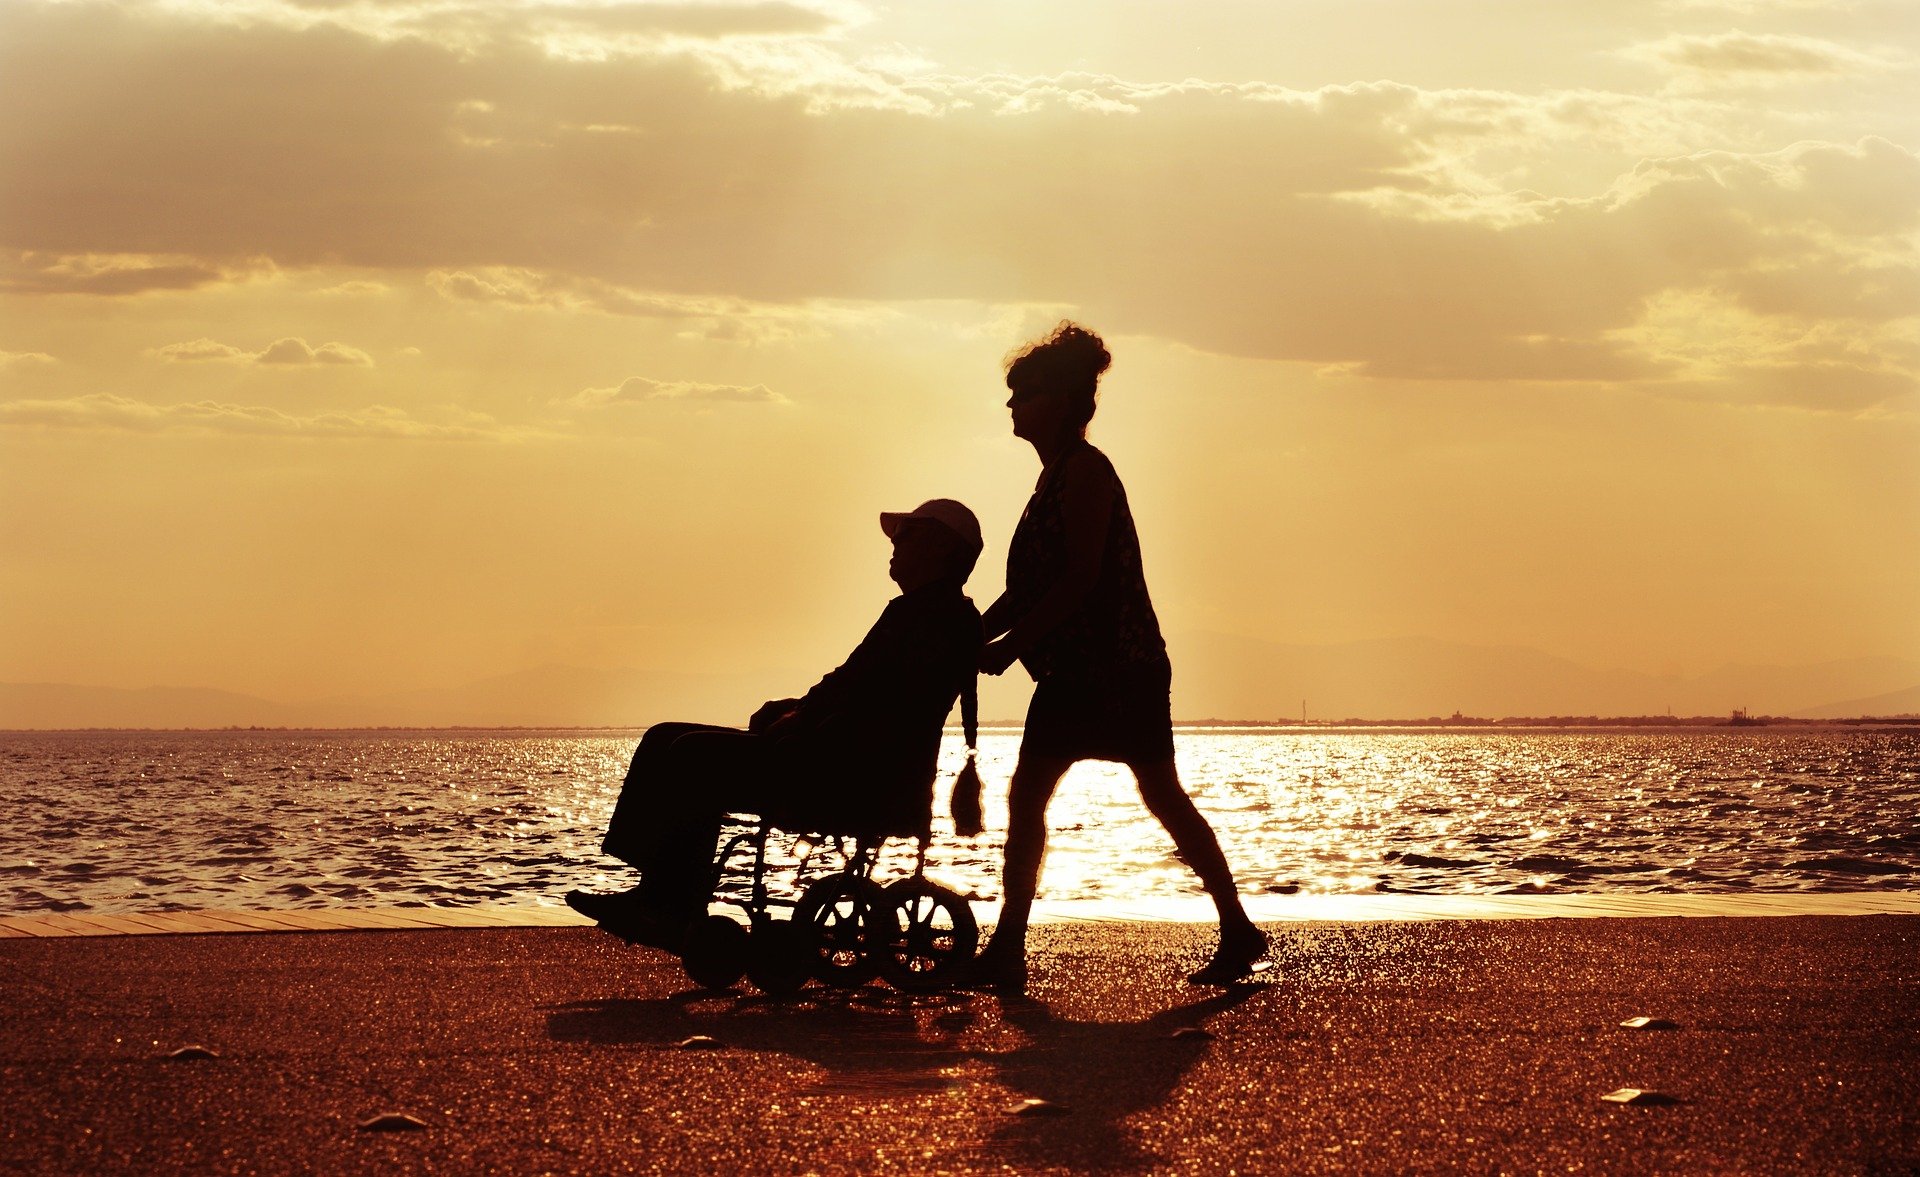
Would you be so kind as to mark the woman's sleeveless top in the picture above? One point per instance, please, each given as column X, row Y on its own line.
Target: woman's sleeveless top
column 1114, row 630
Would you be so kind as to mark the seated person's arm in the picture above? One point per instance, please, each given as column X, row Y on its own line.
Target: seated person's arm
column 844, row 687
column 770, row 714
column 906, row 659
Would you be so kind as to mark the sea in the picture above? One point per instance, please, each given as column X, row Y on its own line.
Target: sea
column 158, row 821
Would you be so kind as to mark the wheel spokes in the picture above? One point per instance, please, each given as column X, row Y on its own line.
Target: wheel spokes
column 840, row 913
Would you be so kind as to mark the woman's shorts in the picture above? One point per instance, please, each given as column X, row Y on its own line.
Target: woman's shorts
column 1124, row 715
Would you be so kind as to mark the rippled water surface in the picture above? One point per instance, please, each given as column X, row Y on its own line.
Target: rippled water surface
column 139, row 821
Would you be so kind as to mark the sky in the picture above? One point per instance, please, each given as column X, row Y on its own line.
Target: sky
column 352, row 346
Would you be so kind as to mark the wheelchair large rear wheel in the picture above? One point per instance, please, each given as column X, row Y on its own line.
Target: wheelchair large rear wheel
column 926, row 935
column 778, row 960
column 838, row 915
column 715, row 955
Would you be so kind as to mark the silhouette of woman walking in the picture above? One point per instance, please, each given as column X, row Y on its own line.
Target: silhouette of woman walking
column 1076, row 613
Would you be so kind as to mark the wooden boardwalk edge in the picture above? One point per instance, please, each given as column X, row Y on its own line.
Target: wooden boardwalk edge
column 1265, row 908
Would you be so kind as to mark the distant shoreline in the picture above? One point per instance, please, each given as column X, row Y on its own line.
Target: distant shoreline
column 1457, row 724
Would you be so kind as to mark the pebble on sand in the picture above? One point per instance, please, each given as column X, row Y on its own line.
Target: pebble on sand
column 393, row 1122
column 1639, row 1097
column 698, row 1042
column 1036, row 1107
column 1645, row 1023
column 193, row 1052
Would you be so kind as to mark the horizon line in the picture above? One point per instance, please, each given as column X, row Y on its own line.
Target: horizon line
column 1455, row 722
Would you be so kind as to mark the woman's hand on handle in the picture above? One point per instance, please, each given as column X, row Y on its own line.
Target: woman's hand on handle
column 996, row 620
column 996, row 657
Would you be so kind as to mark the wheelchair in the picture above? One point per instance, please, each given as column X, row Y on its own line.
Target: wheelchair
column 844, row 928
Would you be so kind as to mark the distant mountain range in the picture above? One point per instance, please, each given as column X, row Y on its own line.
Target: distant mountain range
column 547, row 696
column 1905, row 702
column 1215, row 676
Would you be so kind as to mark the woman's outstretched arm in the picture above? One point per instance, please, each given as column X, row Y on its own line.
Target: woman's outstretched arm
column 1086, row 509
column 998, row 618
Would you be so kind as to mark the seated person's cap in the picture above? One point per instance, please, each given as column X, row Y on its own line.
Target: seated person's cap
column 948, row 513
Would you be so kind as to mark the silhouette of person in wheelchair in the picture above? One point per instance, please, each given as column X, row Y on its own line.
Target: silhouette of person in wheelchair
column 855, row 754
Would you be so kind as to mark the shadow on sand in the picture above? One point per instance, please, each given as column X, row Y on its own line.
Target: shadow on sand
column 875, row 1045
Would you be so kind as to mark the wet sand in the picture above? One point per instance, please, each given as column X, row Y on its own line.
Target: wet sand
column 1373, row 1047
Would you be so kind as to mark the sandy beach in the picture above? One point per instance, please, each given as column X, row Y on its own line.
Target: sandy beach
column 1372, row 1047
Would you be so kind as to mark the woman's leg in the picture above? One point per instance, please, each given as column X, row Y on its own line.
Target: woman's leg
column 1034, row 781
column 1194, row 839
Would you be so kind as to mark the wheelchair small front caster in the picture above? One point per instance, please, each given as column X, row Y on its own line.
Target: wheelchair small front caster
column 778, row 961
column 716, row 952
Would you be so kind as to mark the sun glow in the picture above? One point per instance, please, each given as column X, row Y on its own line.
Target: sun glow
column 1595, row 337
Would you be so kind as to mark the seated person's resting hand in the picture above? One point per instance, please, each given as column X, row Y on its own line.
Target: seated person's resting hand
column 770, row 715
column 997, row 656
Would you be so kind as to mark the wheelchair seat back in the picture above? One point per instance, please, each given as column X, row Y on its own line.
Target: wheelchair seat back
column 854, row 804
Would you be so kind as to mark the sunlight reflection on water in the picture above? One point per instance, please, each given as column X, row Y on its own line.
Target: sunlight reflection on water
column 161, row 821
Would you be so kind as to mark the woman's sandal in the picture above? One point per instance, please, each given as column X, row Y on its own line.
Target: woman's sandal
column 1237, row 958
column 994, row 972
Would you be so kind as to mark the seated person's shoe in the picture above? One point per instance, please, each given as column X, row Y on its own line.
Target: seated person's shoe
column 634, row 918
column 995, row 972
column 601, row 906
column 652, row 927
column 1237, row 958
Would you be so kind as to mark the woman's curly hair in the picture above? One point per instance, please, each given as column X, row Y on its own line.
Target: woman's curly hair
column 1069, row 360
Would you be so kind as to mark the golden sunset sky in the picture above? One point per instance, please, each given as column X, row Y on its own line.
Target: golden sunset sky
column 352, row 346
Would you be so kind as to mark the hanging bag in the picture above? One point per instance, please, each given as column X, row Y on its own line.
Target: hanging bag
column 965, row 805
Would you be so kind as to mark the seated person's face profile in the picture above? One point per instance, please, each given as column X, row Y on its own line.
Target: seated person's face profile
column 923, row 552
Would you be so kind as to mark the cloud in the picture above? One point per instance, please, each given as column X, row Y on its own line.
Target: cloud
column 1761, row 6
column 105, row 411
column 639, row 389
column 1866, row 192
column 763, row 18
column 1759, row 57
column 732, row 320
column 105, row 274
column 1713, row 346
column 297, row 351
column 593, row 30
column 199, row 350
column 290, row 351
column 519, row 286
column 785, row 189
column 10, row 358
